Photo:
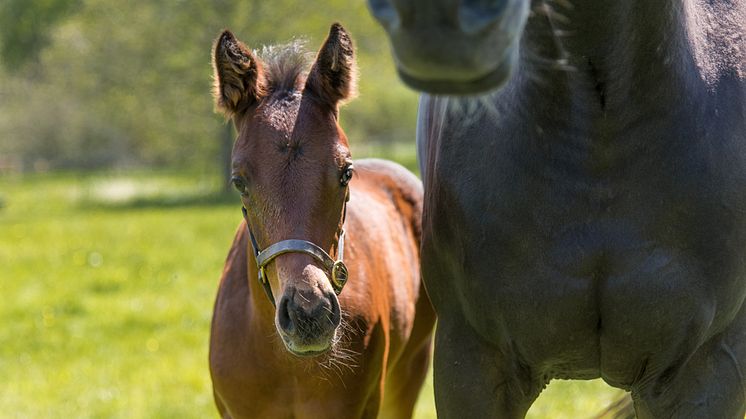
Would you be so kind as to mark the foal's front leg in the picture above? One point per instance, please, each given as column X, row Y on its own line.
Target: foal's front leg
column 474, row 379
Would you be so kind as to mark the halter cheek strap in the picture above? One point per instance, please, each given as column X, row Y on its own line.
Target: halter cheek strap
column 336, row 270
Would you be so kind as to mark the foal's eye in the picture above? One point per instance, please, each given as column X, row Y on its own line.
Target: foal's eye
column 346, row 175
column 239, row 184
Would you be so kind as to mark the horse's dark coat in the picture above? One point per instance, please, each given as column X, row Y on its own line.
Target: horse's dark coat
column 589, row 219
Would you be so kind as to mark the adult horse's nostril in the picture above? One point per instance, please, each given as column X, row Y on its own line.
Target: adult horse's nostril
column 284, row 318
column 477, row 15
column 385, row 12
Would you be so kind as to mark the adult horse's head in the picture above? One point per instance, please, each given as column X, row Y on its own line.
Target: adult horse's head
column 453, row 46
column 291, row 164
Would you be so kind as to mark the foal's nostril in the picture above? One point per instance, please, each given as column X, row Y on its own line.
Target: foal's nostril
column 307, row 316
column 308, row 308
column 385, row 12
column 477, row 15
column 335, row 313
column 284, row 319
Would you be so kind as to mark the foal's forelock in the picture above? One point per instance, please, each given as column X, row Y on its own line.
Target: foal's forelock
column 285, row 65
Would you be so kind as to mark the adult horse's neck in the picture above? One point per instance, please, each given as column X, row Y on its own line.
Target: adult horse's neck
column 610, row 58
column 611, row 77
column 593, row 68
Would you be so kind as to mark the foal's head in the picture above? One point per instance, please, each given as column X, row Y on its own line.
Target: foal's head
column 291, row 164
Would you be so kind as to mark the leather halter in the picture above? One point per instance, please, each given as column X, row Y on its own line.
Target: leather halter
column 335, row 269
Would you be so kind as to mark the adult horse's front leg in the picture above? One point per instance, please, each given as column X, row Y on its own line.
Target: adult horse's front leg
column 710, row 385
column 474, row 379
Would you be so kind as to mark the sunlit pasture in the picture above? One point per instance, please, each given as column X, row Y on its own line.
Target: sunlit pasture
column 107, row 285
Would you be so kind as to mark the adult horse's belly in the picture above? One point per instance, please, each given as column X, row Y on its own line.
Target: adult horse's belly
column 582, row 279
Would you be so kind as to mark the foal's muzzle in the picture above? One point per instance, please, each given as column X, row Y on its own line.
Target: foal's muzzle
column 307, row 320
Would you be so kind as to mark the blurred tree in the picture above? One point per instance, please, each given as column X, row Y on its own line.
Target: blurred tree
column 25, row 27
column 128, row 83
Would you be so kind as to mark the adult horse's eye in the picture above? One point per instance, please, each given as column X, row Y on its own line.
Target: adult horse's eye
column 346, row 175
column 239, row 184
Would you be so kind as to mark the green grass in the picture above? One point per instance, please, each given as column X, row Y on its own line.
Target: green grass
column 107, row 286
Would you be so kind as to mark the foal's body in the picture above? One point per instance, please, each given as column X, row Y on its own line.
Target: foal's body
column 383, row 342
column 591, row 222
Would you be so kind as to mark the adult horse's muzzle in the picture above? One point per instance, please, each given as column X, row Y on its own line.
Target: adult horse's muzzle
column 453, row 47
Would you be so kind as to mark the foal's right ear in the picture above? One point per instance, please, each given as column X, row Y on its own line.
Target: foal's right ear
column 238, row 75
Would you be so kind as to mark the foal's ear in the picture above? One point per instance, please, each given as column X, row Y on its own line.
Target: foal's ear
column 237, row 73
column 333, row 75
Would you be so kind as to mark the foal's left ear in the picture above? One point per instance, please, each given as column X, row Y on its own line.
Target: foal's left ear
column 333, row 75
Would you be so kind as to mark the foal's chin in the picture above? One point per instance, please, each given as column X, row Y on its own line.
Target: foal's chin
column 308, row 348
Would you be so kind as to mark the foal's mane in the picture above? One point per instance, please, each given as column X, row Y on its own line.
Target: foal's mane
column 285, row 65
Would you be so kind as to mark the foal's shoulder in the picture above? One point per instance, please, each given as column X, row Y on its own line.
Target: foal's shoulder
column 383, row 180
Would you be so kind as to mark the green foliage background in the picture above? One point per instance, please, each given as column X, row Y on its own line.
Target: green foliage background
column 103, row 83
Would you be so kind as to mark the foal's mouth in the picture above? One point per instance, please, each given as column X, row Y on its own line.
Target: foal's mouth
column 310, row 354
column 307, row 319
column 308, row 350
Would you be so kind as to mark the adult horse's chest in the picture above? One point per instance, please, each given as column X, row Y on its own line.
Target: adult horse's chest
column 587, row 247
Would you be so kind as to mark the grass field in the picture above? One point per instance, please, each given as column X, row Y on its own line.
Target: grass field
column 107, row 286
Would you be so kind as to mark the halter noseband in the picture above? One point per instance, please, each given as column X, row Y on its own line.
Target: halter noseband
column 336, row 269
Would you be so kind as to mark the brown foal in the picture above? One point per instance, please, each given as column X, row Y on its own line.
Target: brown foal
column 289, row 338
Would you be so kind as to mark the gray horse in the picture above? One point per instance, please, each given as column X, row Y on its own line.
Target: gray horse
column 587, row 219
